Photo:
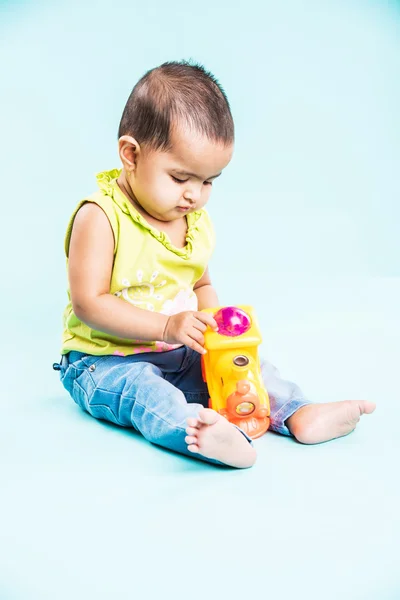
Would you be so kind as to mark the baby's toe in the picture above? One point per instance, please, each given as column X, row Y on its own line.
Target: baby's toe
column 194, row 448
column 190, row 439
column 192, row 431
column 192, row 422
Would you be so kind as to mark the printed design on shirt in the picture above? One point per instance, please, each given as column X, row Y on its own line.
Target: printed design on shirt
column 184, row 300
column 164, row 347
column 143, row 293
column 146, row 294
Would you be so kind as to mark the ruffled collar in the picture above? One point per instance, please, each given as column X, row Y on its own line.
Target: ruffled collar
column 107, row 182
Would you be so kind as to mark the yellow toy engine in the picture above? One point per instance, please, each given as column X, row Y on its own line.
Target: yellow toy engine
column 231, row 369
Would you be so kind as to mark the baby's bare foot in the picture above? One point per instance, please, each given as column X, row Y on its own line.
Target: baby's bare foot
column 316, row 423
column 212, row 436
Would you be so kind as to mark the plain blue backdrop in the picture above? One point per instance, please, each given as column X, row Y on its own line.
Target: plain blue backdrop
column 307, row 218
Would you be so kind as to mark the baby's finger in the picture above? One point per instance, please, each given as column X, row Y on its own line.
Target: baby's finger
column 199, row 324
column 194, row 345
column 208, row 319
column 196, row 335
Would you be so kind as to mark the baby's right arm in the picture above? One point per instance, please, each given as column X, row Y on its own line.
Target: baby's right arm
column 91, row 254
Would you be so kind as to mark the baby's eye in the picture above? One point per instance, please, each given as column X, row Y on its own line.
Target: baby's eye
column 179, row 180
column 208, row 183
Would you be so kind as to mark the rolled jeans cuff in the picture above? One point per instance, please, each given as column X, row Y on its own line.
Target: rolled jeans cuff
column 286, row 411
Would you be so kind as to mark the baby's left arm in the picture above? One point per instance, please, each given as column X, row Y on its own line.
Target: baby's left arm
column 206, row 294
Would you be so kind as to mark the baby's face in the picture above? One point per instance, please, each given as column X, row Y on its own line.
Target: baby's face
column 168, row 185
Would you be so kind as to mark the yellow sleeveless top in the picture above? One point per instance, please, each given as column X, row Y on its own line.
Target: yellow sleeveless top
column 149, row 271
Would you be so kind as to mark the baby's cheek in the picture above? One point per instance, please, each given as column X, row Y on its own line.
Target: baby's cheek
column 205, row 195
column 163, row 193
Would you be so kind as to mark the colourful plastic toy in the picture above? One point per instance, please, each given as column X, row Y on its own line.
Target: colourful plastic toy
column 231, row 369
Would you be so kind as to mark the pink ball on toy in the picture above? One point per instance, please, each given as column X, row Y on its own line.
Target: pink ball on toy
column 232, row 321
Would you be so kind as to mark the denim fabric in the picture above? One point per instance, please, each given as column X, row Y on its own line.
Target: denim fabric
column 155, row 392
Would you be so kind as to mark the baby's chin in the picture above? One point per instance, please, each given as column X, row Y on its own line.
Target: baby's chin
column 168, row 214
column 174, row 214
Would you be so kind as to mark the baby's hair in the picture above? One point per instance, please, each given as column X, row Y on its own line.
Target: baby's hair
column 177, row 92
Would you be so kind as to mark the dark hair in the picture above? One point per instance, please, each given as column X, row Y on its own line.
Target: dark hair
column 177, row 92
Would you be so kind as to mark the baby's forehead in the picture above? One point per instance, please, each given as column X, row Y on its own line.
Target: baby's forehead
column 198, row 156
column 194, row 151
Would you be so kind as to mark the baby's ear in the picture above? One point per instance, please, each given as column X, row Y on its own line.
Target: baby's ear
column 129, row 150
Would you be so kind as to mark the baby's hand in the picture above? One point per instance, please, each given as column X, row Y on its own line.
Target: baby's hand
column 188, row 328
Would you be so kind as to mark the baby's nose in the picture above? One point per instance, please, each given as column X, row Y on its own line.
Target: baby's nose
column 193, row 194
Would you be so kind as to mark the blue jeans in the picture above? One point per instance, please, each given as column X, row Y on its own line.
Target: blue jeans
column 155, row 392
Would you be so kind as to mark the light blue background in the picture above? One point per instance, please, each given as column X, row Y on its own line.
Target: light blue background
column 307, row 218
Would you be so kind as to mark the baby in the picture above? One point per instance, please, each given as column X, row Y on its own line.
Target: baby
column 137, row 253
